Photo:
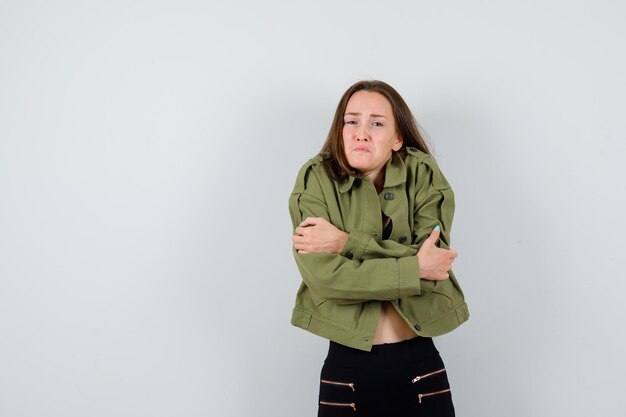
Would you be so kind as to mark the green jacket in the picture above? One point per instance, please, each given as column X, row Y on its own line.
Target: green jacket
column 340, row 295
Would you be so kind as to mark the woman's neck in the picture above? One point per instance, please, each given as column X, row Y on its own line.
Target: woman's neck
column 379, row 181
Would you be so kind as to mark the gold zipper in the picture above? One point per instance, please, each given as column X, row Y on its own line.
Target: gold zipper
column 428, row 394
column 417, row 378
column 344, row 384
column 353, row 405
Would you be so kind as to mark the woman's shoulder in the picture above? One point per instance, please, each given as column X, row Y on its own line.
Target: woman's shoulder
column 315, row 164
column 415, row 156
column 316, row 161
column 313, row 169
column 425, row 168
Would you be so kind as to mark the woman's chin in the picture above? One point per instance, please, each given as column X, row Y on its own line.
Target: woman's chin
column 361, row 164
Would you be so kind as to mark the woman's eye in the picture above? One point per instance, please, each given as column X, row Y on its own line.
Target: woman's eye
column 350, row 122
column 377, row 124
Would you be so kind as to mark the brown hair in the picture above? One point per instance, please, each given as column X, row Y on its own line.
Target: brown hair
column 332, row 152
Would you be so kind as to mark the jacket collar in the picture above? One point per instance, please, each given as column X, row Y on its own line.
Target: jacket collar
column 395, row 174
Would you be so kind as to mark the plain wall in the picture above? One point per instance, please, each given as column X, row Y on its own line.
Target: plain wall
column 148, row 148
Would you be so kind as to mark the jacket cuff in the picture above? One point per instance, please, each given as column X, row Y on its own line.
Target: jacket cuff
column 427, row 286
column 409, row 282
column 356, row 244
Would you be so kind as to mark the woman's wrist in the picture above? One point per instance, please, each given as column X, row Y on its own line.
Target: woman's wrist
column 341, row 241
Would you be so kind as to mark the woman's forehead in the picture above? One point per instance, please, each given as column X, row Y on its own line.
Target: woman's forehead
column 370, row 103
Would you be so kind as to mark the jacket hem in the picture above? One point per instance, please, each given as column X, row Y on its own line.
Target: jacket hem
column 363, row 341
column 445, row 324
column 330, row 330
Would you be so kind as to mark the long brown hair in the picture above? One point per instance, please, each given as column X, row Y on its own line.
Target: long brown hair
column 332, row 152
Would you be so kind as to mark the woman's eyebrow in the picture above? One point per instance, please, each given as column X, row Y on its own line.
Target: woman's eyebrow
column 358, row 114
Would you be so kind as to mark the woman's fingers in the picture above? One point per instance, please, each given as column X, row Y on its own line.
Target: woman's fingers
column 308, row 222
column 305, row 240
column 320, row 236
column 441, row 276
column 312, row 221
column 301, row 244
column 434, row 235
column 435, row 262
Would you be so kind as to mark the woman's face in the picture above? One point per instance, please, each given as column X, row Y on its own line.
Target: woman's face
column 369, row 132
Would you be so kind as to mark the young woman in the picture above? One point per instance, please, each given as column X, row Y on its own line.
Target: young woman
column 372, row 216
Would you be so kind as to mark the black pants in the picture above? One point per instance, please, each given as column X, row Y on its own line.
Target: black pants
column 393, row 380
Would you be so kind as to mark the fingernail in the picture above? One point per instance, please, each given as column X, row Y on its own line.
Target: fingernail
column 436, row 229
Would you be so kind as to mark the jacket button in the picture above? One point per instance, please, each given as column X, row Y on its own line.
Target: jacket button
column 349, row 255
column 418, row 327
column 402, row 239
column 388, row 196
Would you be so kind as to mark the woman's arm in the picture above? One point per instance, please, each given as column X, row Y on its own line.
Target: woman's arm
column 317, row 235
column 335, row 277
column 433, row 206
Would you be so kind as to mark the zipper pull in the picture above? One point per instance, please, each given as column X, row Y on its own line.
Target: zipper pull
column 417, row 378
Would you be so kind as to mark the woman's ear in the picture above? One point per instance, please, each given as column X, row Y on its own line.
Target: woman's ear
column 398, row 144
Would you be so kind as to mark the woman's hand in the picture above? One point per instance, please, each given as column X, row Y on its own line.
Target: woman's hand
column 435, row 262
column 317, row 235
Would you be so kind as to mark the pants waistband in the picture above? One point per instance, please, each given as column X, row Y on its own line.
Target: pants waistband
column 402, row 353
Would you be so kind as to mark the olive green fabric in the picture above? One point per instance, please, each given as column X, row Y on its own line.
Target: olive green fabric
column 340, row 294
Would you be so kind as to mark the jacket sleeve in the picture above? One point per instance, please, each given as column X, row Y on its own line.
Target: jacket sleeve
column 338, row 278
column 434, row 205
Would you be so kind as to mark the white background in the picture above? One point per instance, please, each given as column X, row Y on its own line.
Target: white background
column 148, row 148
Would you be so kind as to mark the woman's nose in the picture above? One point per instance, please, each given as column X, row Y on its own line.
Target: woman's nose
column 362, row 133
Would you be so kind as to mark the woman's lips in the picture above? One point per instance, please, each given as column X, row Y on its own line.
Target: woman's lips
column 361, row 149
